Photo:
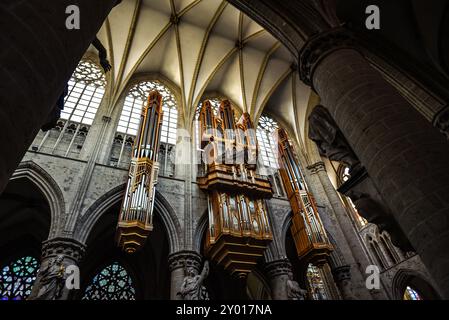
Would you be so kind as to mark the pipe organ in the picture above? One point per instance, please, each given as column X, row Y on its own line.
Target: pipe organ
column 136, row 216
column 239, row 230
column 310, row 237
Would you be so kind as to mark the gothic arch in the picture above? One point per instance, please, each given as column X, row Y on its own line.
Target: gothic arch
column 151, row 76
column 49, row 188
column 201, row 228
column 162, row 208
column 407, row 277
column 285, row 227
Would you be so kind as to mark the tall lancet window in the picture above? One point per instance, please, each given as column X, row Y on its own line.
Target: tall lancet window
column 86, row 89
column 129, row 124
column 112, row 283
column 268, row 151
column 17, row 278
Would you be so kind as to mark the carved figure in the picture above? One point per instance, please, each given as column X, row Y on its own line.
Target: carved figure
column 330, row 140
column 52, row 280
column 294, row 291
column 192, row 287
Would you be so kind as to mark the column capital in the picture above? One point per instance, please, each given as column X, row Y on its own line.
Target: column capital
column 70, row 248
column 342, row 273
column 317, row 167
column 320, row 46
column 184, row 259
column 278, row 268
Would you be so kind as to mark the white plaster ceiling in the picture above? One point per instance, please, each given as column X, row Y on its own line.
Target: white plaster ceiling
column 200, row 55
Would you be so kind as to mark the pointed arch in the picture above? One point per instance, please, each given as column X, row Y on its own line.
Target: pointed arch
column 49, row 188
column 407, row 277
column 201, row 228
column 162, row 208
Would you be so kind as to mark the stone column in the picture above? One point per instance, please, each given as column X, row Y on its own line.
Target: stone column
column 71, row 253
column 177, row 262
column 342, row 277
column 337, row 221
column 38, row 57
column 278, row 272
column 405, row 156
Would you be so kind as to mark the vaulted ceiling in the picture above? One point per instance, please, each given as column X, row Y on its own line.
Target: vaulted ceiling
column 203, row 47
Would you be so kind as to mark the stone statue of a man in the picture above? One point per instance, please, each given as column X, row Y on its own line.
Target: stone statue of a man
column 294, row 291
column 52, row 280
column 192, row 287
column 329, row 139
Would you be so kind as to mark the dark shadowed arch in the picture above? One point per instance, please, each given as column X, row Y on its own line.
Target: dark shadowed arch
column 162, row 209
column 414, row 279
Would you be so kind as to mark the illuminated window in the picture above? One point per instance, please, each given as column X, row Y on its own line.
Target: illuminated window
column 132, row 109
column 344, row 176
column 316, row 283
column 267, row 141
column 411, row 294
column 112, row 283
column 17, row 278
column 130, row 120
column 86, row 90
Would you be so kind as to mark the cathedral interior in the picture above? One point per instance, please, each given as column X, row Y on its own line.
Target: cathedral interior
column 224, row 149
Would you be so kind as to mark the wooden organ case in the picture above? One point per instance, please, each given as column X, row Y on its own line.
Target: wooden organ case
column 239, row 230
column 312, row 243
column 136, row 216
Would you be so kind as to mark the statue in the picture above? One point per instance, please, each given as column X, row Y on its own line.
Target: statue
column 294, row 291
column 330, row 140
column 52, row 280
column 192, row 287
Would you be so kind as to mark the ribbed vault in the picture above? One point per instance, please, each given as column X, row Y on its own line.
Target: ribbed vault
column 203, row 46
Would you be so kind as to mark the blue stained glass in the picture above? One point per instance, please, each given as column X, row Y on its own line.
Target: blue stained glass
column 112, row 283
column 17, row 278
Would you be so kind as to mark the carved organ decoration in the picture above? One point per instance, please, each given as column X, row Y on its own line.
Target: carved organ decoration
column 239, row 230
column 310, row 237
column 136, row 216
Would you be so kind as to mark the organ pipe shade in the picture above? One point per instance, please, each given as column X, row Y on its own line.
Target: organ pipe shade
column 310, row 237
column 239, row 229
column 136, row 216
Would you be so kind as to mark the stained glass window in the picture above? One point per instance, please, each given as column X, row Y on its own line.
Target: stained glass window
column 316, row 284
column 86, row 90
column 411, row 294
column 134, row 102
column 17, row 278
column 112, row 283
column 267, row 142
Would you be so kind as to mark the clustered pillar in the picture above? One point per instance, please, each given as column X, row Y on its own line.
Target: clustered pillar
column 278, row 274
column 405, row 156
column 342, row 278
